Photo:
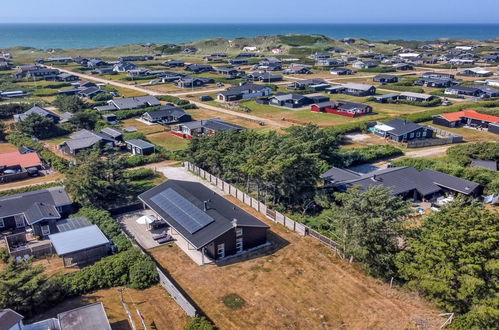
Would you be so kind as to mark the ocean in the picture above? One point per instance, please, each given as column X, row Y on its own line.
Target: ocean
column 89, row 35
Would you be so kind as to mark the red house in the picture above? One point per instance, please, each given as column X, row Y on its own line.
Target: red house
column 343, row 108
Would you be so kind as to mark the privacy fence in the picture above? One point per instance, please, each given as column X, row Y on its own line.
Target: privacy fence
column 264, row 209
column 446, row 138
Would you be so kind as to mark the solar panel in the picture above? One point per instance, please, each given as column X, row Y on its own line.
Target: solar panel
column 72, row 223
column 190, row 217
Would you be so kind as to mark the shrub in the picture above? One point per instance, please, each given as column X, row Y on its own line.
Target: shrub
column 10, row 109
column 4, row 255
column 199, row 323
column 369, row 154
column 139, row 160
column 140, row 174
column 143, row 273
column 134, row 136
column 233, row 301
column 29, row 188
column 379, row 69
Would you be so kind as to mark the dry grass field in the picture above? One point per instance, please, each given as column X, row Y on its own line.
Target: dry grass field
column 300, row 285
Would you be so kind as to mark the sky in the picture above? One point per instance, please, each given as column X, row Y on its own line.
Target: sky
column 252, row 11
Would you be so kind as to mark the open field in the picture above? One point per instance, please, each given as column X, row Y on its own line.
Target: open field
column 300, row 285
column 200, row 114
column 168, row 141
column 53, row 266
column 142, row 127
column 159, row 310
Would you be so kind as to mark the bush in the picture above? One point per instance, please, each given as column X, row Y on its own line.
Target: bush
column 233, row 301
column 143, row 273
column 4, row 255
column 10, row 109
column 134, row 136
column 139, row 160
column 140, row 174
column 379, row 69
column 199, row 323
column 28, row 189
column 369, row 154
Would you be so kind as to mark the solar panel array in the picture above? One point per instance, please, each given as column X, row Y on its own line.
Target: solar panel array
column 73, row 223
column 186, row 214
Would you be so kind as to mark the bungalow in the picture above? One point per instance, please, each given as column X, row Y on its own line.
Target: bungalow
column 459, row 61
column 475, row 72
column 191, row 82
column 466, row 117
column 341, row 71
column 129, row 103
column 264, row 77
column 416, row 97
column 110, row 118
column 491, row 58
column 437, row 75
column 66, row 116
column 213, row 59
column 37, row 73
column 386, row 98
column 96, row 63
column 192, row 129
column 400, row 130
column 342, row 108
column 294, row 101
column 63, row 76
column 385, row 78
column 229, row 72
column 39, row 111
column 174, row 63
column 89, row 92
column 463, row 90
column 406, row 182
column 330, row 62
column 198, row 68
column 316, row 84
column 205, row 221
column 353, row 89
column 39, row 210
column 84, row 140
column 435, row 82
column 17, row 166
column 136, row 58
column 167, row 115
column 364, row 64
column 403, row 66
column 140, row 147
column 296, row 68
column 13, row 94
column 124, row 67
column 168, row 77
column 319, row 56
column 113, row 133
column 245, row 91
column 238, row 61
column 219, row 54
column 190, row 50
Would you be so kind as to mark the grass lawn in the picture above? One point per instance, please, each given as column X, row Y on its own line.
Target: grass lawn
column 168, row 141
column 469, row 134
column 142, row 127
column 299, row 285
column 7, row 147
column 160, row 311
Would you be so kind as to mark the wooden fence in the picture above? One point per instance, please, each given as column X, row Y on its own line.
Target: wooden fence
column 264, row 209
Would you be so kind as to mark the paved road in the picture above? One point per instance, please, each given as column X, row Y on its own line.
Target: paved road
column 268, row 122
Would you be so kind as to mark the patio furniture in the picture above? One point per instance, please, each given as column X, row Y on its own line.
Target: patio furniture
column 167, row 239
column 160, row 236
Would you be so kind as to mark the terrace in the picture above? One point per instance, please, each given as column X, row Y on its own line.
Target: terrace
column 24, row 244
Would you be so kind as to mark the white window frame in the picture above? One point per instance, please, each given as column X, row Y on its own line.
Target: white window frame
column 418, row 134
column 411, row 135
column 47, row 232
column 239, row 244
column 2, row 223
column 221, row 250
column 19, row 218
column 239, row 231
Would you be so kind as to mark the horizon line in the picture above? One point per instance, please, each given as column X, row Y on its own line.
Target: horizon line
column 256, row 23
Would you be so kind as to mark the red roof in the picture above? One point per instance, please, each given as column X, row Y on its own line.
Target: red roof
column 16, row 158
column 455, row 116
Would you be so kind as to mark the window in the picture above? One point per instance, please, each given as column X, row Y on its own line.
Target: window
column 221, row 250
column 45, row 230
column 418, row 134
column 19, row 221
column 239, row 232
column 411, row 135
column 239, row 244
column 2, row 224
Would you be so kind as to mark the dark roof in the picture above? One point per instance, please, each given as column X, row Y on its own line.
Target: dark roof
column 78, row 239
column 112, row 132
column 340, row 174
column 401, row 127
column 215, row 124
column 20, row 203
column 40, row 211
column 140, row 144
column 9, row 318
column 72, row 223
column 488, row 164
column 167, row 110
column 251, row 88
column 221, row 210
column 35, row 110
column 91, row 316
column 451, row 182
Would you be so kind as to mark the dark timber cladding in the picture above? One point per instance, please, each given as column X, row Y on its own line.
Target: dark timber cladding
column 205, row 219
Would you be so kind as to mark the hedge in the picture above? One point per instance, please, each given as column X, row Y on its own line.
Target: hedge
column 369, row 154
column 29, row 188
column 140, row 174
column 139, row 160
column 378, row 70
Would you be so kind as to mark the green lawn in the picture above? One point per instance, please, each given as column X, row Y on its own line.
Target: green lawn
column 168, row 141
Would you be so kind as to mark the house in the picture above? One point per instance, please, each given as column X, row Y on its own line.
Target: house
column 319, row 56
column 246, row 54
column 96, row 63
column 13, row 94
column 277, row 51
column 39, row 111
column 341, row 71
column 84, row 140
column 66, row 116
column 80, row 246
column 36, row 72
column 264, row 77
column 466, row 117
column 342, row 108
column 239, row 61
column 403, row 66
column 493, row 128
column 87, row 317
column 17, row 166
column 219, row 54
column 213, row 59
column 245, row 91
column 475, row 72
column 140, row 147
column 250, row 49
column 198, row 68
column 38, row 210
column 492, row 58
column 386, row 98
column 191, row 82
column 475, row 91
column 173, row 63
column 294, row 101
column 459, row 61
column 129, row 103
column 190, row 50
column 353, row 89
column 330, row 62
column 171, row 77
column 167, row 115
column 204, row 220
column 400, row 130
column 296, row 68
column 416, row 97
column 66, row 77
column 385, row 78
column 316, row 84
column 136, row 58
column 192, row 129
column 406, row 182
column 435, row 82
column 364, row 64
column 89, row 92
column 112, row 133
column 437, row 75
column 229, row 72
column 124, row 67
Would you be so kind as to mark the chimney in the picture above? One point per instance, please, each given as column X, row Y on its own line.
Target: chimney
column 205, row 208
column 234, row 222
